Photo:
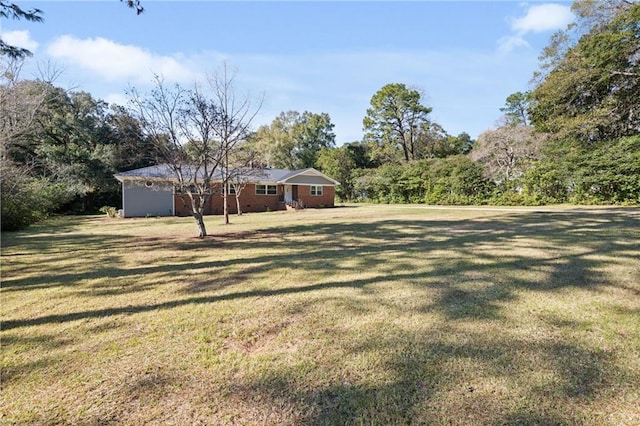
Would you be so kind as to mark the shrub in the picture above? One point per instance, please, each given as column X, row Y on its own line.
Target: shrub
column 507, row 198
column 24, row 199
column 111, row 212
column 610, row 173
column 545, row 183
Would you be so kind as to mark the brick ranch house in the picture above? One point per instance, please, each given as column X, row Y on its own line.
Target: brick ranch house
column 150, row 191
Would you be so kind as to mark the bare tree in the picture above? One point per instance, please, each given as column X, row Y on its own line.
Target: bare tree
column 21, row 103
column 179, row 123
column 235, row 117
column 506, row 151
column 27, row 194
column 24, row 105
column 193, row 133
column 245, row 167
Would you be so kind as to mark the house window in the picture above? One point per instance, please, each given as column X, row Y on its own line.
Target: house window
column 316, row 190
column 178, row 189
column 231, row 189
column 266, row 190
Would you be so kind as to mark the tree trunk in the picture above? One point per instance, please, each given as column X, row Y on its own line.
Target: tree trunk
column 403, row 140
column 226, row 186
column 197, row 210
column 202, row 230
column 239, row 212
column 225, row 200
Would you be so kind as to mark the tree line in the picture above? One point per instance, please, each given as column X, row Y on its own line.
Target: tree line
column 574, row 137
column 59, row 149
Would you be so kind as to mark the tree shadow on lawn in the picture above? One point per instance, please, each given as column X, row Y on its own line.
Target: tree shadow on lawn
column 46, row 344
column 459, row 259
column 453, row 252
column 71, row 258
column 437, row 381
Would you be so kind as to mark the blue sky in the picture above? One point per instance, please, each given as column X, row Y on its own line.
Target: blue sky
column 324, row 57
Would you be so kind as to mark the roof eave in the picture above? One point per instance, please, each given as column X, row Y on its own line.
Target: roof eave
column 310, row 169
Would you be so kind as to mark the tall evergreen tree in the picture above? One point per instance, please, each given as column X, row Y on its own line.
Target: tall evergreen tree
column 396, row 118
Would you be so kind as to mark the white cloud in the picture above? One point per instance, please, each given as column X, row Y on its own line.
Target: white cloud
column 543, row 17
column 464, row 87
column 20, row 39
column 510, row 43
column 113, row 61
column 539, row 18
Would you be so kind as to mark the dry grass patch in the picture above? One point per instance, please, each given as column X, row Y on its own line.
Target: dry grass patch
column 356, row 315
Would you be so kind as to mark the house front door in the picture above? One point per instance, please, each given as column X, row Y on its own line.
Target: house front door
column 288, row 194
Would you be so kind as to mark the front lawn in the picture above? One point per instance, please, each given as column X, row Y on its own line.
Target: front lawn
column 353, row 315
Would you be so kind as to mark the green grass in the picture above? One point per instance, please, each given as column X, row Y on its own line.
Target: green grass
column 355, row 315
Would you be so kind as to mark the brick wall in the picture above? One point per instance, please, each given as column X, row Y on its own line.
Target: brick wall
column 183, row 206
column 313, row 201
column 251, row 202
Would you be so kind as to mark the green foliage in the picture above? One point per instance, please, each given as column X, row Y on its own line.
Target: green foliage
column 312, row 133
column 362, row 184
column 610, row 174
column 17, row 205
column 395, row 119
column 452, row 180
column 12, row 10
column 516, row 109
column 506, row 197
column 461, row 144
column 84, row 144
column 389, row 185
column 456, row 180
column 69, row 139
column 111, row 212
column 398, row 128
column 592, row 92
column 545, row 183
column 587, row 103
column 434, row 142
column 339, row 163
column 606, row 174
column 294, row 140
column 361, row 153
column 24, row 199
